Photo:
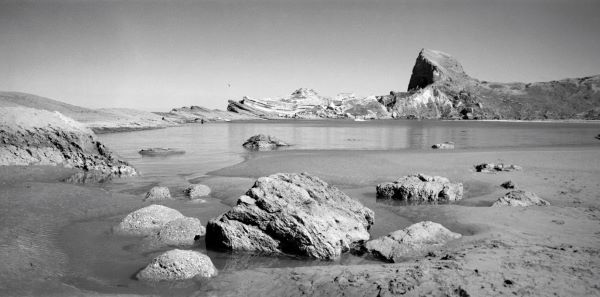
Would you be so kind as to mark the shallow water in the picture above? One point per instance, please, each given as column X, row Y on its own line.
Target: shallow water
column 102, row 261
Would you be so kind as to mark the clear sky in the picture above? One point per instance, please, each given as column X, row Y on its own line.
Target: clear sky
column 164, row 54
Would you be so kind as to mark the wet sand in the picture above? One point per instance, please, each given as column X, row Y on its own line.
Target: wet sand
column 45, row 249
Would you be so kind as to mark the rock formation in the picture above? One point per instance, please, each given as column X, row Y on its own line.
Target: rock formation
column 493, row 167
column 147, row 220
column 178, row 265
column 39, row 137
column 416, row 239
column 179, row 232
column 444, row 146
column 520, row 198
column 420, row 188
column 293, row 214
column 158, row 194
column 197, row 191
column 263, row 142
column 158, row 151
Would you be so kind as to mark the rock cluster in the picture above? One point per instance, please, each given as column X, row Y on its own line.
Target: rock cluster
column 416, row 239
column 444, row 146
column 158, row 151
column 37, row 137
column 492, row 167
column 420, row 188
column 520, row 198
column 158, row 194
column 262, row 142
column 178, row 265
column 293, row 214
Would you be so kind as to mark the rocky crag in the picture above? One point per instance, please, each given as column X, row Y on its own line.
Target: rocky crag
column 439, row 88
column 39, row 137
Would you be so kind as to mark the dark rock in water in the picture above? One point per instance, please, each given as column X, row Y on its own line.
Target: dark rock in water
column 158, row 194
column 416, row 239
column 37, row 137
column 491, row 167
column 294, row 214
column 147, row 220
column 158, row 151
column 178, row 265
column 508, row 185
column 263, row 142
column 520, row 198
column 420, row 187
column 197, row 191
column 444, row 146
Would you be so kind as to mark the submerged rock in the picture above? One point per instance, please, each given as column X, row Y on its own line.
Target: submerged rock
column 492, row 167
column 147, row 220
column 420, row 187
column 263, row 142
column 292, row 213
column 178, row 265
column 37, row 137
column 520, row 198
column 159, row 151
column 180, row 232
column 508, row 185
column 197, row 191
column 444, row 146
column 158, row 194
column 418, row 238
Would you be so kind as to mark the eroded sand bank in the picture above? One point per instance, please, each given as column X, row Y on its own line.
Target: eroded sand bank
column 535, row 251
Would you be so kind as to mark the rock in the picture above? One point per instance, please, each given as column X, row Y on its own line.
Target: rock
column 520, row 198
column 37, row 137
column 263, row 142
column 293, row 214
column 180, row 232
column 147, row 220
column 491, row 167
column 421, row 188
column 508, row 185
column 418, row 238
column 157, row 151
column 197, row 191
column 444, row 146
column 178, row 265
column 158, row 194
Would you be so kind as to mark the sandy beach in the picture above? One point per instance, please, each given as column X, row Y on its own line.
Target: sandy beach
column 538, row 251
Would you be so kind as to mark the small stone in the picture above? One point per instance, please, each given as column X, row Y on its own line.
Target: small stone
column 520, row 198
column 508, row 185
column 444, row 146
column 158, row 194
column 147, row 220
column 263, row 142
column 178, row 265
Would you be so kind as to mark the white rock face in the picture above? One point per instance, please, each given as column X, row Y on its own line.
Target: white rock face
column 158, row 194
column 520, row 198
column 178, row 265
column 147, row 220
column 415, row 239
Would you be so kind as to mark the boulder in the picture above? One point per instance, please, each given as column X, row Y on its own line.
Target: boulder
column 492, row 167
column 444, row 146
column 262, row 142
column 180, row 232
column 520, row 198
column 421, row 188
column 178, row 265
column 158, row 194
column 147, row 220
column 414, row 240
column 508, row 185
column 197, row 191
column 292, row 214
column 159, row 151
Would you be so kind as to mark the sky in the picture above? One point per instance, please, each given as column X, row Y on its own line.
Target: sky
column 157, row 55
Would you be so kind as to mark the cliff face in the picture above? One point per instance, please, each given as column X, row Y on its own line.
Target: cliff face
column 38, row 137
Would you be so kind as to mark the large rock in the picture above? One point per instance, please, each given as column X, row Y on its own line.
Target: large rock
column 180, row 232
column 520, row 198
column 415, row 239
column 147, row 220
column 197, row 191
column 263, row 142
column 157, row 194
column 421, row 188
column 178, row 265
column 37, row 137
column 493, row 167
column 294, row 214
